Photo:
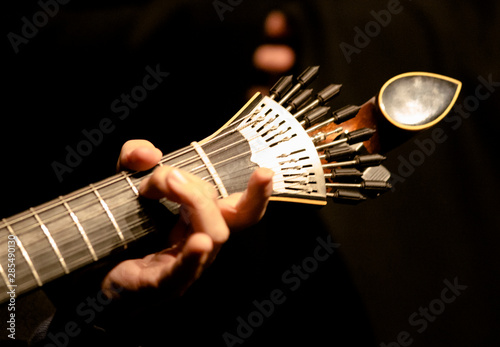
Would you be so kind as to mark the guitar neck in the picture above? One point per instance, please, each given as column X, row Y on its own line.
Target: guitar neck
column 87, row 225
column 75, row 230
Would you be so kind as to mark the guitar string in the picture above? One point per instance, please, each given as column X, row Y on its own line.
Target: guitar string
column 119, row 217
column 118, row 178
column 225, row 132
column 98, row 239
column 235, row 123
column 110, row 236
column 101, row 185
column 176, row 154
column 197, row 170
column 196, row 157
column 170, row 157
column 81, row 208
column 115, row 178
column 83, row 260
column 104, row 183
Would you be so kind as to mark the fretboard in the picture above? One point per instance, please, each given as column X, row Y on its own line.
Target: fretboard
column 87, row 225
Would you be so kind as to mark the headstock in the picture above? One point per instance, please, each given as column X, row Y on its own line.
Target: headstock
column 317, row 153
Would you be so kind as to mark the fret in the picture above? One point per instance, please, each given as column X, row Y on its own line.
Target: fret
column 109, row 214
column 234, row 163
column 21, row 279
column 66, row 236
column 129, row 181
column 82, row 231
column 25, row 254
column 94, row 221
column 124, row 205
column 4, row 276
column 211, row 169
column 89, row 189
column 51, row 241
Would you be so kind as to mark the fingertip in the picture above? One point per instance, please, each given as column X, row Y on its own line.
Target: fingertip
column 247, row 208
column 263, row 178
column 140, row 158
column 155, row 186
column 199, row 243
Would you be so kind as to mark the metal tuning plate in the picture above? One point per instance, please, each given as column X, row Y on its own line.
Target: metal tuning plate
column 280, row 143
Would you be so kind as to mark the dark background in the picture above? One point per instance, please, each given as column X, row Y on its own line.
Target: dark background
column 395, row 252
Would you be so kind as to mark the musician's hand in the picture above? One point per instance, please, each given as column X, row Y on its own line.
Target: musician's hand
column 205, row 224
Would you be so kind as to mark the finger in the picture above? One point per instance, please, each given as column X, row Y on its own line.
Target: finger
column 198, row 198
column 274, row 59
column 138, row 155
column 190, row 264
column 174, row 270
column 243, row 210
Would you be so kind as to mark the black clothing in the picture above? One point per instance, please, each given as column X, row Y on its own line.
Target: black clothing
column 397, row 253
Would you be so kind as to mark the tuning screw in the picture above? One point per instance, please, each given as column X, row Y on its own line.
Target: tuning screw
column 355, row 136
column 347, row 196
column 339, row 153
column 360, row 161
column 322, row 136
column 339, row 116
column 299, row 100
column 373, row 186
column 315, row 116
column 322, row 98
column 281, row 87
column 345, row 175
column 303, row 81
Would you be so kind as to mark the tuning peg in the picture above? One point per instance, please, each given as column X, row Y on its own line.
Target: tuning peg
column 338, row 117
column 315, row 116
column 299, row 100
column 355, row 136
column 338, row 153
column 303, row 81
column 345, row 113
column 345, row 175
column 347, row 196
column 322, row 136
column 281, row 87
column 372, row 186
column 322, row 98
column 359, row 161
